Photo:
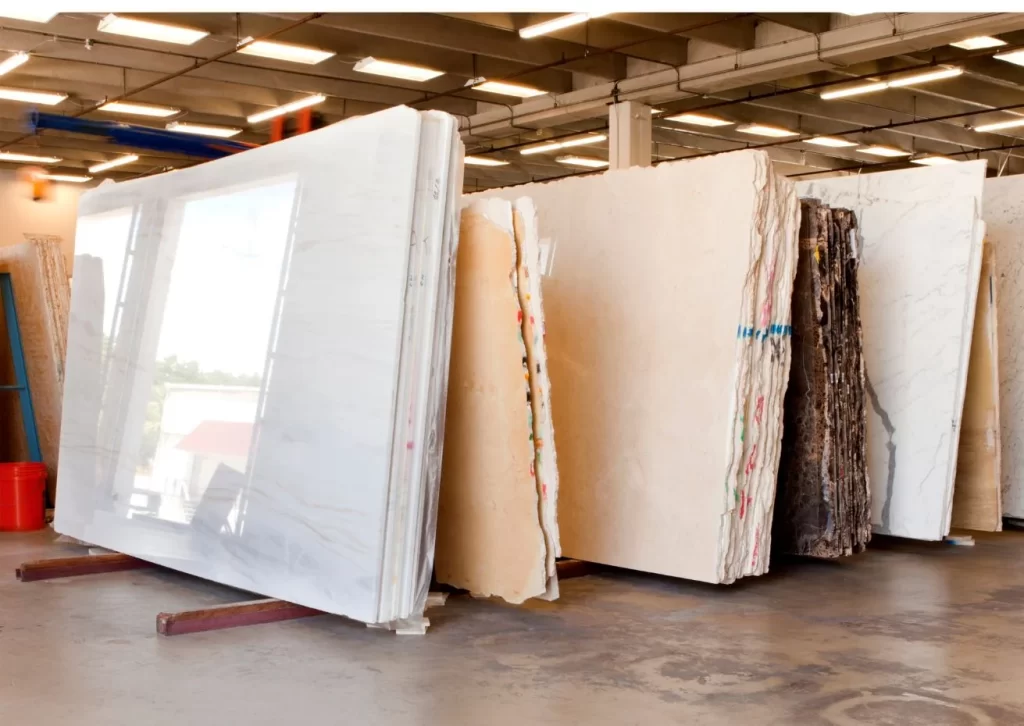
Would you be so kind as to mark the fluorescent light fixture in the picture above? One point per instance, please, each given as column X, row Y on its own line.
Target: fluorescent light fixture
column 699, row 119
column 553, row 145
column 831, row 141
column 119, row 161
column 287, row 108
column 14, row 61
column 508, row 89
column 857, row 90
column 766, row 130
column 28, row 158
column 484, row 161
column 221, row 132
column 540, row 149
column 582, row 161
column 69, row 178
column 932, row 160
column 396, row 70
column 583, row 141
column 41, row 97
column 1015, row 56
column 150, row 30
column 926, row 77
column 556, row 24
column 979, row 42
column 1000, row 125
column 883, row 151
column 284, row 51
column 35, row 16
column 138, row 109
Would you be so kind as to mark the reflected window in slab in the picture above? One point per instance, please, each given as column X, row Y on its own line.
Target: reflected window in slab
column 212, row 351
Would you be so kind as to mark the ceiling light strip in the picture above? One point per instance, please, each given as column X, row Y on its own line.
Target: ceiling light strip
column 150, row 30
column 285, row 51
column 15, row 61
column 556, row 24
column 287, row 108
column 113, row 163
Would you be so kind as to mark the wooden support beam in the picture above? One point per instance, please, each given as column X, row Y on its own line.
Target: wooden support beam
column 232, row 615
column 568, row 569
column 74, row 566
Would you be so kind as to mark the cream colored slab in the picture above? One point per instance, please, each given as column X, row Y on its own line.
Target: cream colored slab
column 976, row 494
column 528, row 271
column 1004, row 230
column 41, row 295
column 667, row 311
column 489, row 538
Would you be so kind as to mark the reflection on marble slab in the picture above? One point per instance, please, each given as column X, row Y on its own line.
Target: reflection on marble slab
column 1004, row 230
column 922, row 235
column 234, row 362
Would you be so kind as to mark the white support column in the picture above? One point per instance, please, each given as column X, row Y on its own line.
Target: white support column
column 629, row 137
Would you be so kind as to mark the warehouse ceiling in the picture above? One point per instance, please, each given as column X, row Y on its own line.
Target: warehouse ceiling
column 765, row 68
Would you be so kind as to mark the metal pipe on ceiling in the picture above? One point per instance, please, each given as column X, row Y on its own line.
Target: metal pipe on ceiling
column 177, row 74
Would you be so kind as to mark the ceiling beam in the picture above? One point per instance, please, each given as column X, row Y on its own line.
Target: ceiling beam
column 864, row 41
column 807, row 22
column 732, row 30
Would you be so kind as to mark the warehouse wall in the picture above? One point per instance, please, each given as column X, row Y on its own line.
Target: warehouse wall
column 20, row 216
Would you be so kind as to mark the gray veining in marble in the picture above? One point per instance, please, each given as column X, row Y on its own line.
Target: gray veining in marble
column 234, row 362
column 921, row 238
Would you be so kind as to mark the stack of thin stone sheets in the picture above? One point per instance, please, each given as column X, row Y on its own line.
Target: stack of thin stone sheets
column 823, row 506
column 497, row 532
column 271, row 330
column 668, row 317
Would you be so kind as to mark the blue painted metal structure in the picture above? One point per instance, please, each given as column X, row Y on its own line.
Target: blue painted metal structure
column 141, row 137
column 28, row 415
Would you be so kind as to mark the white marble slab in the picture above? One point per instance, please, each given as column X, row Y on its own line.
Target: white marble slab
column 275, row 281
column 921, row 238
column 1004, row 230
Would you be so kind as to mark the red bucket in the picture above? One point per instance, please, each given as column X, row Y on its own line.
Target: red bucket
column 22, row 496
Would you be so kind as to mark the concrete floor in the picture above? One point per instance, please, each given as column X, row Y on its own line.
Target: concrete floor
column 907, row 634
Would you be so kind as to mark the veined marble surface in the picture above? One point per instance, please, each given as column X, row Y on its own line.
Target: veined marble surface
column 233, row 361
column 1004, row 230
column 921, row 237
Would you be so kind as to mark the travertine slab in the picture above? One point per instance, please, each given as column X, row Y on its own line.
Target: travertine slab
column 41, row 296
column 489, row 536
column 529, row 272
column 1004, row 230
column 667, row 304
column 976, row 494
column 288, row 271
column 921, row 236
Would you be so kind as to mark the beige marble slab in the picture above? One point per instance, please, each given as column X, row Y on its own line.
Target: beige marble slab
column 489, row 537
column 976, row 493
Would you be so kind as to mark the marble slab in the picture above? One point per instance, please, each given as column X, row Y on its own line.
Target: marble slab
column 489, row 535
column 1004, row 230
column 823, row 501
column 239, row 342
column 976, row 494
column 667, row 299
column 41, row 294
column 921, row 235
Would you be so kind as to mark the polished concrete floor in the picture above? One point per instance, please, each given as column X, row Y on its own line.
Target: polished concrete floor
column 907, row 634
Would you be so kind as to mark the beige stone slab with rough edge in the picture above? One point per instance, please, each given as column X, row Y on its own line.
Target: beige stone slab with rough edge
column 656, row 275
column 528, row 270
column 41, row 295
column 976, row 494
column 489, row 538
